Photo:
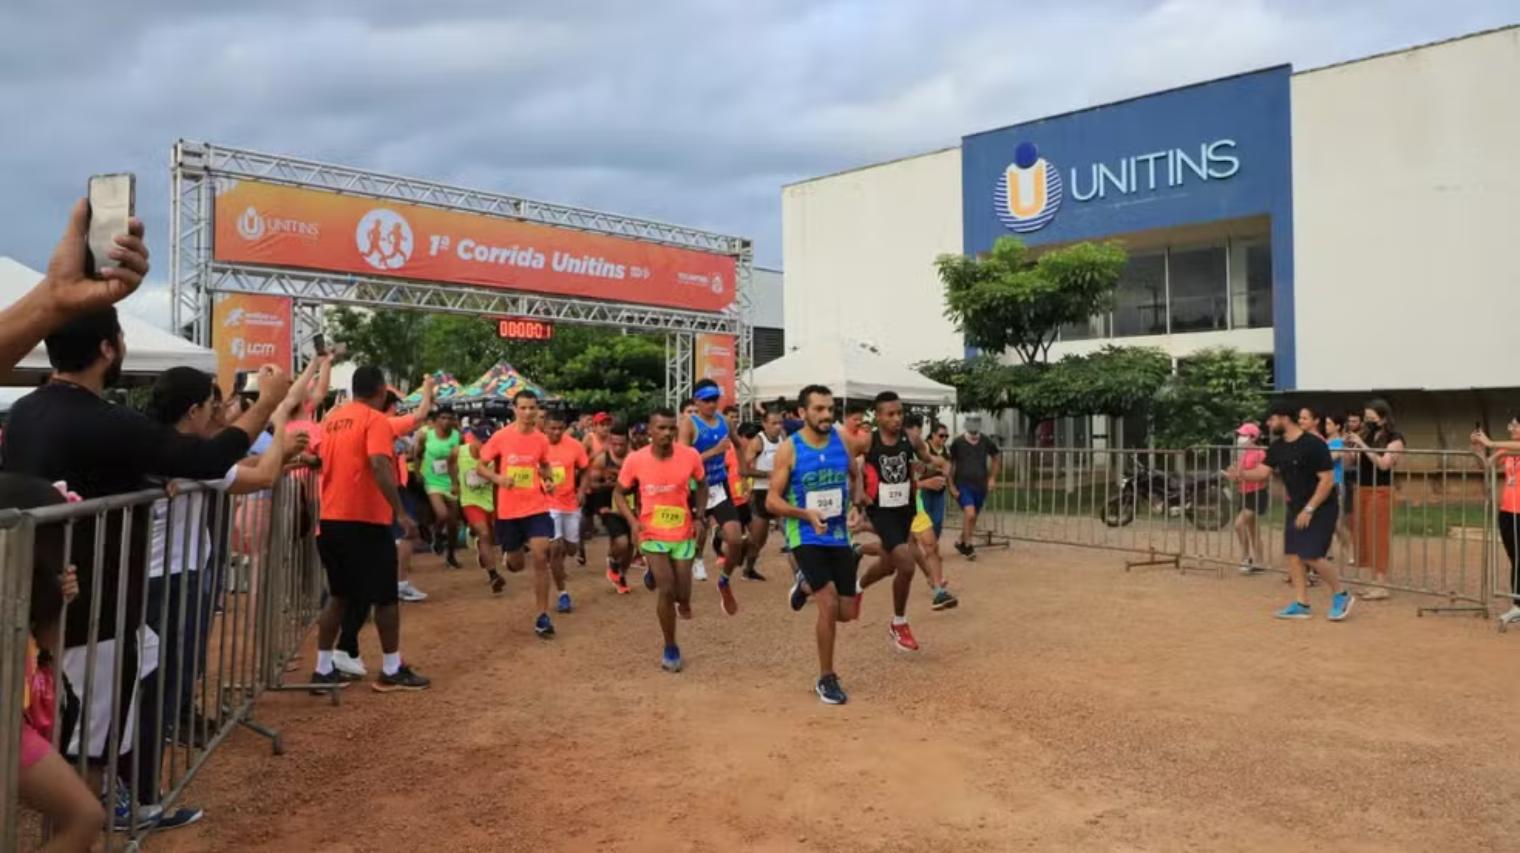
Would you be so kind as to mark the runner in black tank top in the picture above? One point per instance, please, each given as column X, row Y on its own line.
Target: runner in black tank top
column 604, row 472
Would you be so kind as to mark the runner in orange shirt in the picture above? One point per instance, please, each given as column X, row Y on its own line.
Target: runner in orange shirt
column 359, row 503
column 516, row 459
column 567, row 466
column 662, row 476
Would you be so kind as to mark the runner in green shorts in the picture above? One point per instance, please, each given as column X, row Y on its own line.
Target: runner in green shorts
column 477, row 503
column 438, row 479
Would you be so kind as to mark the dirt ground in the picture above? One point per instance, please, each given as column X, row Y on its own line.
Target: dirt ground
column 1065, row 705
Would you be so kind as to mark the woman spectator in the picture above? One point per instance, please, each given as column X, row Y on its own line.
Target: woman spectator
column 932, row 486
column 1377, row 448
column 1310, row 421
column 1335, row 432
column 1254, row 500
column 1508, row 453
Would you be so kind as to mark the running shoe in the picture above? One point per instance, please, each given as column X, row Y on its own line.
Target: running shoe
column 649, row 579
column 963, row 549
column 121, row 815
column 1296, row 610
column 543, row 627
column 798, row 596
column 829, row 691
column 564, row 605
column 699, row 570
column 943, row 600
column 322, row 685
column 406, row 592
column 902, row 637
column 1510, row 616
column 726, row 596
column 580, row 557
column 613, row 575
column 178, row 818
column 1249, row 568
column 348, row 664
column 403, row 679
column 622, row 584
column 683, row 609
column 451, row 561
column 1340, row 605
column 498, row 583
column 671, row 660
column 752, row 575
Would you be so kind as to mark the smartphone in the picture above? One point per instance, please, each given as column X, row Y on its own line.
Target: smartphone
column 240, row 381
column 319, row 343
column 113, row 200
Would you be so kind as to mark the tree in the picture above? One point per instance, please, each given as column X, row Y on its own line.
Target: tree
column 1213, row 392
column 1005, row 301
column 981, row 382
column 1111, row 381
column 390, row 340
column 460, row 345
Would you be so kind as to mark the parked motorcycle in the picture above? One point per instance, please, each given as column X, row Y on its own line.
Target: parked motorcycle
column 1204, row 499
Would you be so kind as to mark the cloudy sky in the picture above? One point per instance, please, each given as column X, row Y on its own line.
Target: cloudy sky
column 693, row 112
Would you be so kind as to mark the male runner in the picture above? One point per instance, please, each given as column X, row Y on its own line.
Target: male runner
column 359, row 503
column 567, row 466
column 742, row 479
column 888, row 498
column 688, row 410
column 709, row 435
column 437, row 445
column 602, row 476
column 477, row 501
column 759, row 462
column 661, row 475
column 809, row 490
column 516, row 459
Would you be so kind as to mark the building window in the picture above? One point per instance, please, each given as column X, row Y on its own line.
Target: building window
column 1197, row 287
column 1258, row 286
column 1140, row 303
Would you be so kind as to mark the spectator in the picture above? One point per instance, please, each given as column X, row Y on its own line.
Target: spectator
column 1377, row 448
column 974, row 465
column 1507, row 452
column 1335, row 433
column 932, row 486
column 1254, row 500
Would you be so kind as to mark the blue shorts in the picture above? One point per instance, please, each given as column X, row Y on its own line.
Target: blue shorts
column 513, row 534
column 972, row 496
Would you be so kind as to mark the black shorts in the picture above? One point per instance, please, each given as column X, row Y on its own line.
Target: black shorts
column 757, row 504
column 724, row 512
column 615, row 525
column 822, row 565
column 1348, row 498
column 744, row 512
column 360, row 560
column 1256, row 501
column 1313, row 542
column 513, row 534
column 893, row 526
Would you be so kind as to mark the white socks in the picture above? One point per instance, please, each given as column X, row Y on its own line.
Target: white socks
column 392, row 663
column 324, row 662
column 899, row 620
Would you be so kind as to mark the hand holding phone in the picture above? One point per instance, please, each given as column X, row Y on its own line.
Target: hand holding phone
column 113, row 199
column 79, row 279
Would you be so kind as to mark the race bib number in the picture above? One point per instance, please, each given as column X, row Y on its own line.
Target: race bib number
column 829, row 502
column 889, row 495
column 474, row 480
column 668, row 518
column 440, row 466
column 716, row 494
column 521, row 476
column 558, row 473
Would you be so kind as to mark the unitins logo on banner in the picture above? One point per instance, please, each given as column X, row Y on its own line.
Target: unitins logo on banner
column 255, row 223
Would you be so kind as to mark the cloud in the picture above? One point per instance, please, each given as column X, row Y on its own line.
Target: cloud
column 693, row 112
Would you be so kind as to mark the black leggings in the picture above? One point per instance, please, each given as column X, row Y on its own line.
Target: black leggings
column 1509, row 527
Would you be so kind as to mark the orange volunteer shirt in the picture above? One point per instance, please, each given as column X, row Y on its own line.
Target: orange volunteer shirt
column 565, row 459
column 664, row 487
column 519, row 456
column 351, row 434
column 1509, row 496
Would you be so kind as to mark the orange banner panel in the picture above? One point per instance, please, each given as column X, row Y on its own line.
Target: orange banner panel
column 249, row 331
column 715, row 360
column 273, row 225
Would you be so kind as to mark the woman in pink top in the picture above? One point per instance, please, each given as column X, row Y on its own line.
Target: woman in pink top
column 1254, row 498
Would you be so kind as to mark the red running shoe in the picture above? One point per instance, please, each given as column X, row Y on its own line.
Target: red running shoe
column 730, row 604
column 902, row 638
column 613, row 577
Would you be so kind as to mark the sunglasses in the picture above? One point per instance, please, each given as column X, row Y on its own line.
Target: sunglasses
column 942, row 435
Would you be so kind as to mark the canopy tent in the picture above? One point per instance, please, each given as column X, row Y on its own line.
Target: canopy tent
column 445, row 389
column 497, row 385
column 150, row 350
column 850, row 370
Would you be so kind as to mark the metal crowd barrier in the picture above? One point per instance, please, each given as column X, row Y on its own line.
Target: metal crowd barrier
column 1433, row 532
column 216, row 594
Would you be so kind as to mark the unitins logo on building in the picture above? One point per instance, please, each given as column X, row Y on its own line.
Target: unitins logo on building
column 1029, row 191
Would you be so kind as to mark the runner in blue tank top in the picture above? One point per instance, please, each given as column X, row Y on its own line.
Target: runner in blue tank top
column 707, row 432
column 810, row 493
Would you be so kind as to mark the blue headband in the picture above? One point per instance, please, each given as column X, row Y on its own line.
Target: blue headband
column 707, row 392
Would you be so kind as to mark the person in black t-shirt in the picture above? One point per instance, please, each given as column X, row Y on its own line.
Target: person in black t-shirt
column 1307, row 470
column 1377, row 448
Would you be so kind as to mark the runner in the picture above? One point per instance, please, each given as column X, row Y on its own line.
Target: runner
column 1308, row 474
column 974, row 464
column 521, row 453
column 438, row 478
column 567, row 466
column 928, row 473
column 661, row 475
column 739, row 487
column 359, row 503
column 688, row 410
column 602, row 477
column 809, row 489
column 759, row 462
column 710, row 436
column 477, row 501
column 889, row 500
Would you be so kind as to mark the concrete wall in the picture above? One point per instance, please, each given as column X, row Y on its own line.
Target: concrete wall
column 858, row 249
column 766, row 299
column 1406, row 200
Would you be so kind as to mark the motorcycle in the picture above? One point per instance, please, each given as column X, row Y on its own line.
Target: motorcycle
column 1204, row 499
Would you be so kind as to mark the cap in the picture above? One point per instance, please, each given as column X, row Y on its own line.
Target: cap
column 602, row 418
column 707, row 392
column 1249, row 430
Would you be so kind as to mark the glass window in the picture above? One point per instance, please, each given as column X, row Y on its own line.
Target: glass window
column 1199, row 291
column 1140, row 303
column 1094, row 327
column 1251, row 283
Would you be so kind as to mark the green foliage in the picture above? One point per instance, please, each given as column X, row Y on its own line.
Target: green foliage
column 981, row 382
column 1004, row 301
column 1112, row 381
column 1213, row 392
column 390, row 340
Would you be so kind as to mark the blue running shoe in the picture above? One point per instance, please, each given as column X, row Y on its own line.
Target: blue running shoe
column 1340, row 606
column 1296, row 610
column 649, row 579
column 829, row 691
column 543, row 627
column 671, row 660
column 564, row 605
column 798, row 596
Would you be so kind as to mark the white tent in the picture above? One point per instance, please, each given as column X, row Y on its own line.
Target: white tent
column 149, row 348
column 850, row 370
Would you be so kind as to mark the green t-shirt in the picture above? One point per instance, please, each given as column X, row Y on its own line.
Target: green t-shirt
column 435, row 460
column 482, row 495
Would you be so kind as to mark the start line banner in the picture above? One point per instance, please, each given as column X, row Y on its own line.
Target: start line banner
column 276, row 225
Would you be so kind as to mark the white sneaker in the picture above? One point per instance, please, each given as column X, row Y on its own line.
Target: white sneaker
column 1511, row 616
column 406, row 592
column 348, row 665
column 1248, row 568
column 699, row 570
